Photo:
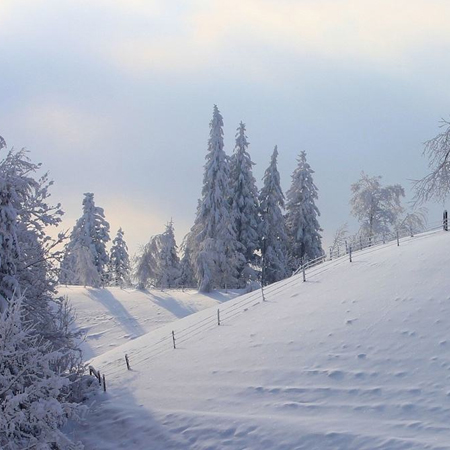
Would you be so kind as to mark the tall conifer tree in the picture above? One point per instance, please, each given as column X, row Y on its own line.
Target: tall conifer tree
column 244, row 203
column 272, row 228
column 215, row 249
column 303, row 227
column 91, row 233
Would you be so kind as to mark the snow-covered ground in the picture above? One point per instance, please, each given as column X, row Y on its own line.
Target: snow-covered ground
column 113, row 316
column 356, row 358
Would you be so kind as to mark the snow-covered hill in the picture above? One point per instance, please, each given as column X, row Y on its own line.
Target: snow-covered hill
column 113, row 316
column 356, row 358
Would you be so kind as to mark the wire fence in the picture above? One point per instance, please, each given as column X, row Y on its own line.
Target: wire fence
column 357, row 245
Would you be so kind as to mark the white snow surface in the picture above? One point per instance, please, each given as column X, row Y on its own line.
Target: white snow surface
column 356, row 358
column 112, row 316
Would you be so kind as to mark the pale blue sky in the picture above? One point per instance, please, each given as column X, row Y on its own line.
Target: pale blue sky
column 115, row 96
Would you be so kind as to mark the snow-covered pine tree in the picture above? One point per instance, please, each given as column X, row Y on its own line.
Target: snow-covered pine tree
column 91, row 232
column 168, row 260
column 119, row 261
column 272, row 227
column 215, row 249
column 245, row 204
column 302, row 224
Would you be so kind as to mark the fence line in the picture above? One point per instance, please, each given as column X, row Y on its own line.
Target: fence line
column 227, row 312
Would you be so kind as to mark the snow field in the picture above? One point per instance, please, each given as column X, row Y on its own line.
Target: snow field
column 113, row 316
column 356, row 358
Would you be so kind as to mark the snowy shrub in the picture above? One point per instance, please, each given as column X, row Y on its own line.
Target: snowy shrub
column 33, row 395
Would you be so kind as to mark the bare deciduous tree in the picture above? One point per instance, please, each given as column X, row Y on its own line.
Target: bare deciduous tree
column 435, row 185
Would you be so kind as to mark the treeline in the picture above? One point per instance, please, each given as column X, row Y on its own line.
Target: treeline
column 241, row 235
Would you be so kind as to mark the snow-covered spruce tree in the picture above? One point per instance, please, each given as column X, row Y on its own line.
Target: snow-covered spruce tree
column 216, row 252
column 305, row 241
column 272, row 227
column 92, row 233
column 168, row 260
column 244, row 204
column 119, row 262
column 376, row 207
column 34, row 396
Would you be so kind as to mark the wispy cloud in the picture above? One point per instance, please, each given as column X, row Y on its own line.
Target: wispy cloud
column 65, row 125
column 377, row 32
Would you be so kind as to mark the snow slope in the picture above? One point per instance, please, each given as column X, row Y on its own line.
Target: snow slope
column 356, row 358
column 113, row 316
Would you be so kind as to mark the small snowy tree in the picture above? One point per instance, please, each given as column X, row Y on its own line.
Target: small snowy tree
column 272, row 227
column 146, row 264
column 187, row 273
column 413, row 222
column 158, row 263
column 305, row 241
column 119, row 262
column 215, row 249
column 340, row 238
column 376, row 207
column 33, row 395
column 435, row 185
column 92, row 233
column 168, row 260
column 245, row 204
column 85, row 270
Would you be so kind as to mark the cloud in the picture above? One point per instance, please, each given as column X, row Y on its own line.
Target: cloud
column 63, row 124
column 377, row 32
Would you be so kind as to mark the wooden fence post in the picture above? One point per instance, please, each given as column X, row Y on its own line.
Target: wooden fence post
column 398, row 240
column 304, row 270
column 127, row 361
column 445, row 221
column 104, row 383
column 173, row 339
column 99, row 378
column 218, row 316
column 350, row 252
column 262, row 293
